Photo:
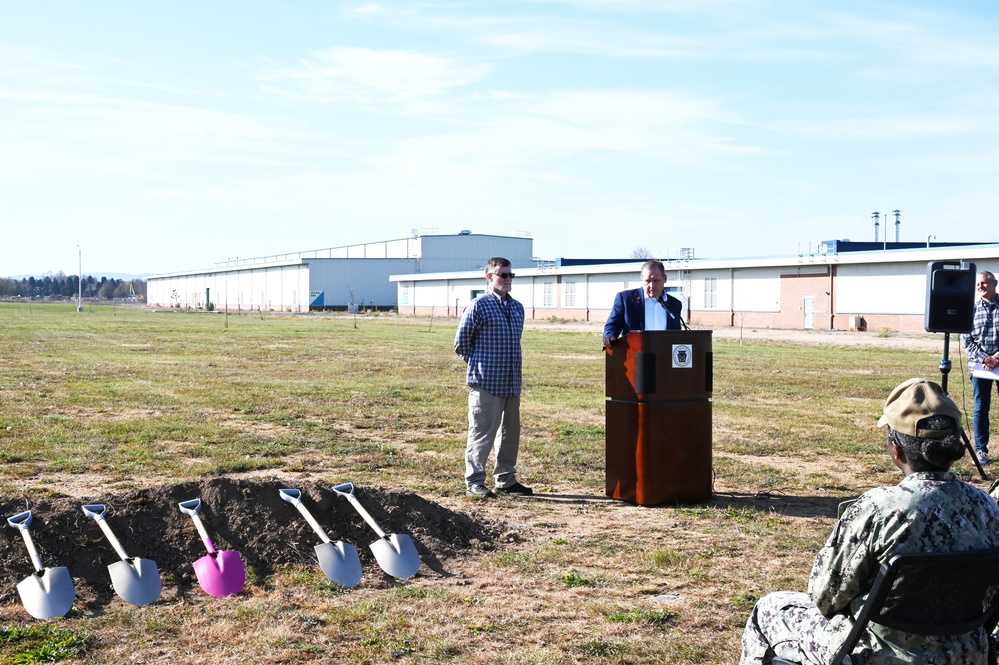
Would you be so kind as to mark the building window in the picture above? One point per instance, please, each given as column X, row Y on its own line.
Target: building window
column 548, row 299
column 570, row 294
column 710, row 292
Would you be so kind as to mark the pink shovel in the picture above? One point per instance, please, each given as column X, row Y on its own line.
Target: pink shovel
column 219, row 573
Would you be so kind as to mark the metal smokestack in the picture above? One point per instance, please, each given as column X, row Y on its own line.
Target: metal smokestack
column 897, row 223
column 876, row 215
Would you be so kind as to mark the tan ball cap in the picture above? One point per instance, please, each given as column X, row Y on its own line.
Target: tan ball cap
column 914, row 400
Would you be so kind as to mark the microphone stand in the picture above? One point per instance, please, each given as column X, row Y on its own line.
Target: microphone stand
column 944, row 371
column 669, row 312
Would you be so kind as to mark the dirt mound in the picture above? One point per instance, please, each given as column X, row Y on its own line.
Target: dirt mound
column 244, row 515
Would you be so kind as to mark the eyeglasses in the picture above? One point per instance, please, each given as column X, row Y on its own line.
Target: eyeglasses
column 505, row 275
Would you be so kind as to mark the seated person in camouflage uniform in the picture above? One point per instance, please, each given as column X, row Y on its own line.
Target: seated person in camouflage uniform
column 931, row 510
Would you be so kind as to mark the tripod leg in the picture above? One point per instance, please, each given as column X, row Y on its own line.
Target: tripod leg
column 944, row 371
column 974, row 457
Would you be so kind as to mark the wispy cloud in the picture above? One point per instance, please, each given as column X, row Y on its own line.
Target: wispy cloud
column 368, row 77
column 45, row 131
column 369, row 9
column 556, row 137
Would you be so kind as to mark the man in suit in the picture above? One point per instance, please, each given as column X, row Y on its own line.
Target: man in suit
column 644, row 308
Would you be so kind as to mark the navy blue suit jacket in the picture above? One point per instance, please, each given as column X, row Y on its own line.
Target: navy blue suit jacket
column 629, row 313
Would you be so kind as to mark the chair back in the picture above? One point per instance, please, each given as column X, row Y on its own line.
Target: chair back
column 949, row 593
column 944, row 593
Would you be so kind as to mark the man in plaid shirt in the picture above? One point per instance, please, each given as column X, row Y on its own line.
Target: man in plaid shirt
column 488, row 340
column 982, row 347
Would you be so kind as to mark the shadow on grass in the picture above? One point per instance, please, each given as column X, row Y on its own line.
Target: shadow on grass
column 789, row 505
column 782, row 504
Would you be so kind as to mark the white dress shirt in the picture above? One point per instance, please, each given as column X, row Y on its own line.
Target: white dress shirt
column 655, row 314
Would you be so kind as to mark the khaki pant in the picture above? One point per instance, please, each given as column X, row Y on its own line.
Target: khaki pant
column 493, row 424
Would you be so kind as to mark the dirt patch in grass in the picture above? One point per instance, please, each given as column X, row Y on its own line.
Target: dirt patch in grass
column 108, row 415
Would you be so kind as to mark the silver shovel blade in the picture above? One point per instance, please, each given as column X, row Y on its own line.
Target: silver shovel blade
column 136, row 581
column 340, row 562
column 48, row 594
column 397, row 555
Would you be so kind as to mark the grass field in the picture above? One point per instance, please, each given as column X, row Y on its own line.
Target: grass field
column 114, row 399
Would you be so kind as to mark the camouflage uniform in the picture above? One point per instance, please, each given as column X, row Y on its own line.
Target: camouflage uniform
column 926, row 512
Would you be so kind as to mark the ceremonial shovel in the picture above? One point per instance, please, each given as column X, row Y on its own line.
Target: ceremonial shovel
column 48, row 592
column 339, row 560
column 135, row 580
column 219, row 573
column 395, row 553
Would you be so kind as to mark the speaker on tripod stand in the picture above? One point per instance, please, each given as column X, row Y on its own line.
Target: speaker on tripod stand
column 950, row 296
column 950, row 308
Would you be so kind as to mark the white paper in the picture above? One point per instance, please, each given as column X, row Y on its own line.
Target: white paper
column 978, row 371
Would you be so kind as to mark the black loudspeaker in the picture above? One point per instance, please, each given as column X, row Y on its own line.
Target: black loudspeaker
column 950, row 296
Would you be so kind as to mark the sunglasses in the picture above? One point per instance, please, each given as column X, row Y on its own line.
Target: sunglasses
column 505, row 275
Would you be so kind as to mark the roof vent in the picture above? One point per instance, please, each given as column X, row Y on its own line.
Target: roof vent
column 464, row 232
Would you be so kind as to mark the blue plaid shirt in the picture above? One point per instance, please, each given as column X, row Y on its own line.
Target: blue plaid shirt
column 488, row 339
column 984, row 337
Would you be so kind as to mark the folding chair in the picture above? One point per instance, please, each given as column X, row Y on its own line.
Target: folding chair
column 946, row 593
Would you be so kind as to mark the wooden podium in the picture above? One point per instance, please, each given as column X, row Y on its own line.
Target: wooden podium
column 659, row 417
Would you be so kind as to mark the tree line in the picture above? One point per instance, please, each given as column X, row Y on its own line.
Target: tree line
column 61, row 285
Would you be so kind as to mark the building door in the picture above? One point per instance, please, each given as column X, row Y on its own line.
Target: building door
column 809, row 313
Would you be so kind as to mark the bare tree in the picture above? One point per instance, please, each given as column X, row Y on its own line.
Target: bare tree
column 642, row 253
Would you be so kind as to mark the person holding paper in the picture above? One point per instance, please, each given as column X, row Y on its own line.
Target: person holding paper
column 982, row 347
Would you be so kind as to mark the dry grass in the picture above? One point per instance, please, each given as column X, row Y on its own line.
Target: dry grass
column 106, row 401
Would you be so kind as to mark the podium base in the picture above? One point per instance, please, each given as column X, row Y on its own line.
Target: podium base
column 661, row 452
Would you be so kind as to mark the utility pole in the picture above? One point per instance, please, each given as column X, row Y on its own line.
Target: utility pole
column 79, row 307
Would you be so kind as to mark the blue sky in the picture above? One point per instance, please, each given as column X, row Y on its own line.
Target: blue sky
column 161, row 137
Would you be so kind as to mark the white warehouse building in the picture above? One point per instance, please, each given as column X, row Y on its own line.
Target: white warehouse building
column 336, row 278
column 844, row 286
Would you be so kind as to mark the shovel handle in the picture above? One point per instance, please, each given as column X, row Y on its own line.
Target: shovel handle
column 192, row 507
column 189, row 508
column 21, row 522
column 347, row 491
column 96, row 511
column 294, row 497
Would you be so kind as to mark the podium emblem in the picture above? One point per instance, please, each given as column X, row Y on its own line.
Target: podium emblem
column 683, row 355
